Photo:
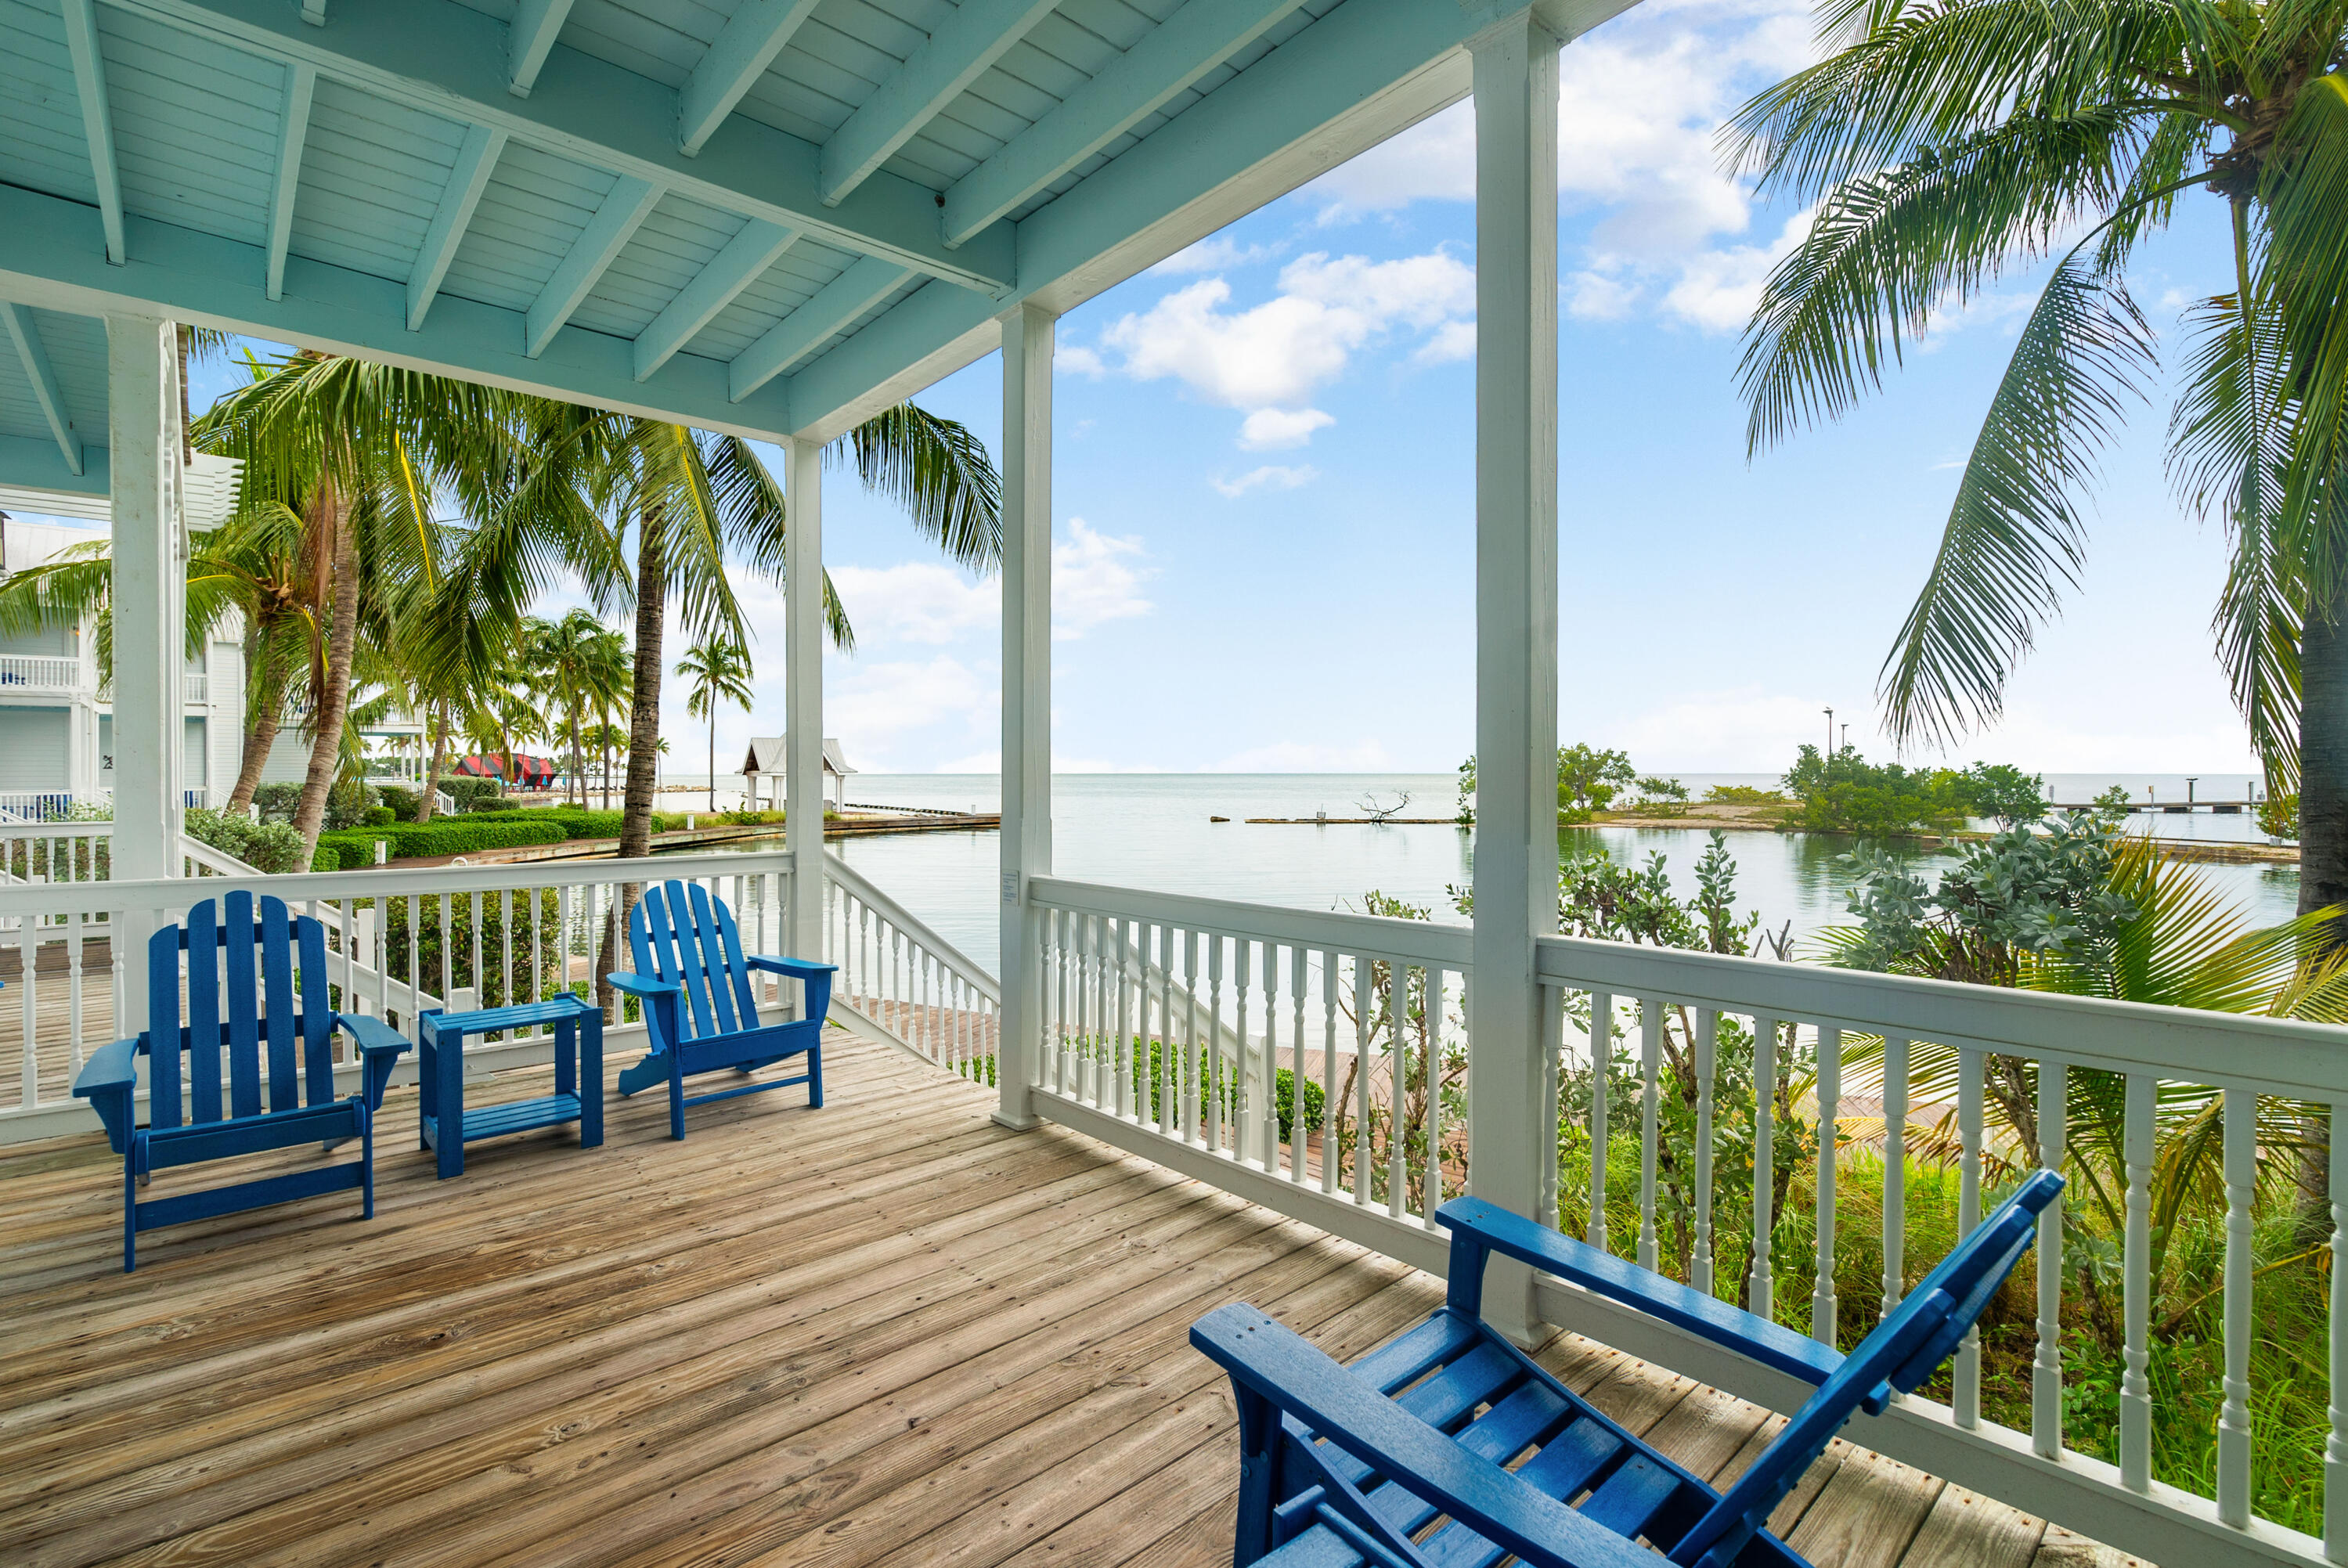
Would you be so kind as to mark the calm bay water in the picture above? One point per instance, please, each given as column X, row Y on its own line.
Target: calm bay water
column 1151, row 830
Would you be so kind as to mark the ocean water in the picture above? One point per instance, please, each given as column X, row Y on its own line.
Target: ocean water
column 1152, row 830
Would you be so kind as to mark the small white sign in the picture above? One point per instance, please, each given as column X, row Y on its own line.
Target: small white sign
column 1011, row 887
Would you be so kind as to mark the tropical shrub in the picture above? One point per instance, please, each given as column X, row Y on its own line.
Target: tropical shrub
column 492, row 803
column 2279, row 816
column 465, row 790
column 2004, row 793
column 1744, row 795
column 521, row 949
column 349, row 803
column 400, row 802
column 270, row 847
column 1846, row 793
column 275, row 802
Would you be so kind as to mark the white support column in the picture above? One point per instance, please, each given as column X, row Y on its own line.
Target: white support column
column 803, row 698
column 1026, row 831
column 1512, row 1129
column 143, row 401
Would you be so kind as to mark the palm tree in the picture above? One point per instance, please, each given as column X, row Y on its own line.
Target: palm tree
column 349, row 454
column 717, row 669
column 1945, row 143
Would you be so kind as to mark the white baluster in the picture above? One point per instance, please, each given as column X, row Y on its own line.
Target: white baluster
column 1602, row 1063
column 1761, row 1285
column 1965, row 1398
column 1247, row 1106
column 1895, row 1169
column 1215, row 1070
column 2234, row 1414
column 1193, row 1110
column 2047, row 1365
column 1398, row 1017
column 1329, row 1071
column 2335, row 1443
column 1707, row 1030
column 1365, row 998
column 28, row 952
column 1650, row 1055
column 1296, row 1077
column 1822, row 1292
column 1432, row 1062
column 2136, row 1273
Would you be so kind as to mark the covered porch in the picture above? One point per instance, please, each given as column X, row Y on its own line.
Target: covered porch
column 935, row 1321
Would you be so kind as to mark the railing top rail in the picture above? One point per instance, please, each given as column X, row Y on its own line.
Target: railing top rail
column 2278, row 1055
column 22, row 828
column 1418, row 941
column 174, row 893
column 906, row 921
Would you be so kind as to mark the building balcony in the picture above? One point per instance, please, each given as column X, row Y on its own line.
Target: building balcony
column 64, row 677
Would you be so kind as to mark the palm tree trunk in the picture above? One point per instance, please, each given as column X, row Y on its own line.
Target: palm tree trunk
column 261, row 734
column 643, row 736
column 341, row 641
column 2323, row 756
column 713, row 755
column 440, row 728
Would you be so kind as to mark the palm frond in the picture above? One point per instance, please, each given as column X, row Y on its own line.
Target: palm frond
column 938, row 471
column 2015, row 537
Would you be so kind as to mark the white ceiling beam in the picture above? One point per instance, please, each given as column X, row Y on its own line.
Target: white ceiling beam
column 607, row 233
column 528, row 36
column 293, row 134
column 794, row 337
column 744, row 259
column 446, row 58
column 53, row 257
column 476, row 159
column 97, row 121
column 17, row 322
column 737, row 57
column 1168, row 58
column 978, row 34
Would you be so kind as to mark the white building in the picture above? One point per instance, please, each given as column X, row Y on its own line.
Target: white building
column 765, row 759
column 56, row 721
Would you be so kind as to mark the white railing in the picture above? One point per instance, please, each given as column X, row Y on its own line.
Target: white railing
column 193, row 687
column 1169, row 1023
column 903, row 980
column 400, row 942
column 40, row 672
column 1916, row 1077
column 47, row 805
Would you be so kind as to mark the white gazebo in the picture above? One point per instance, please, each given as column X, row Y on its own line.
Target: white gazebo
column 768, row 755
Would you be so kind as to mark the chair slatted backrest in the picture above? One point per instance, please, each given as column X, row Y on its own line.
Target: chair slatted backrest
column 241, row 995
column 1904, row 1350
column 681, row 935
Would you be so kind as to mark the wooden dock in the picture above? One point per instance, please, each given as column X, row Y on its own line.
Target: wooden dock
column 887, row 1332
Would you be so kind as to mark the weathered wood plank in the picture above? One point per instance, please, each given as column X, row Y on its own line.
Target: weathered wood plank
column 887, row 1332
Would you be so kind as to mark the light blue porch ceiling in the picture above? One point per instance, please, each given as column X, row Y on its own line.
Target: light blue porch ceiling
column 756, row 215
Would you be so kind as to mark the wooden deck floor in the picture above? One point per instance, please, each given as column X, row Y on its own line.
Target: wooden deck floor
column 884, row 1332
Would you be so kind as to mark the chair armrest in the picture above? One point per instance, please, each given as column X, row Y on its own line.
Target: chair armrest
column 638, row 986
column 1478, row 1228
column 1268, row 1361
column 382, row 1045
column 107, row 1080
column 797, row 968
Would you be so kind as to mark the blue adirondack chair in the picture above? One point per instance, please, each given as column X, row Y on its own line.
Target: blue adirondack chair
column 694, row 984
column 268, row 1019
column 1346, row 1466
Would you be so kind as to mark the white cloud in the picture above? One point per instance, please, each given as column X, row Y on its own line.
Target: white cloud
column 1077, row 361
column 1594, row 297
column 1270, row 475
column 1268, row 429
column 1717, row 289
column 916, row 602
column 1452, row 340
column 1738, row 730
column 1213, row 253
column 873, row 707
column 1276, row 353
column 1094, row 581
column 1432, row 160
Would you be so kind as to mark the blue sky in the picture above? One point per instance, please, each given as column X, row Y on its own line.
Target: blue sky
column 1265, row 501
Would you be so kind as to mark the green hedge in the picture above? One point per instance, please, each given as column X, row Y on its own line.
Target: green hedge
column 464, row 835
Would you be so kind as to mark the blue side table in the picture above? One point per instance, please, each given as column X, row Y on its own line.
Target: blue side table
column 578, row 1077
